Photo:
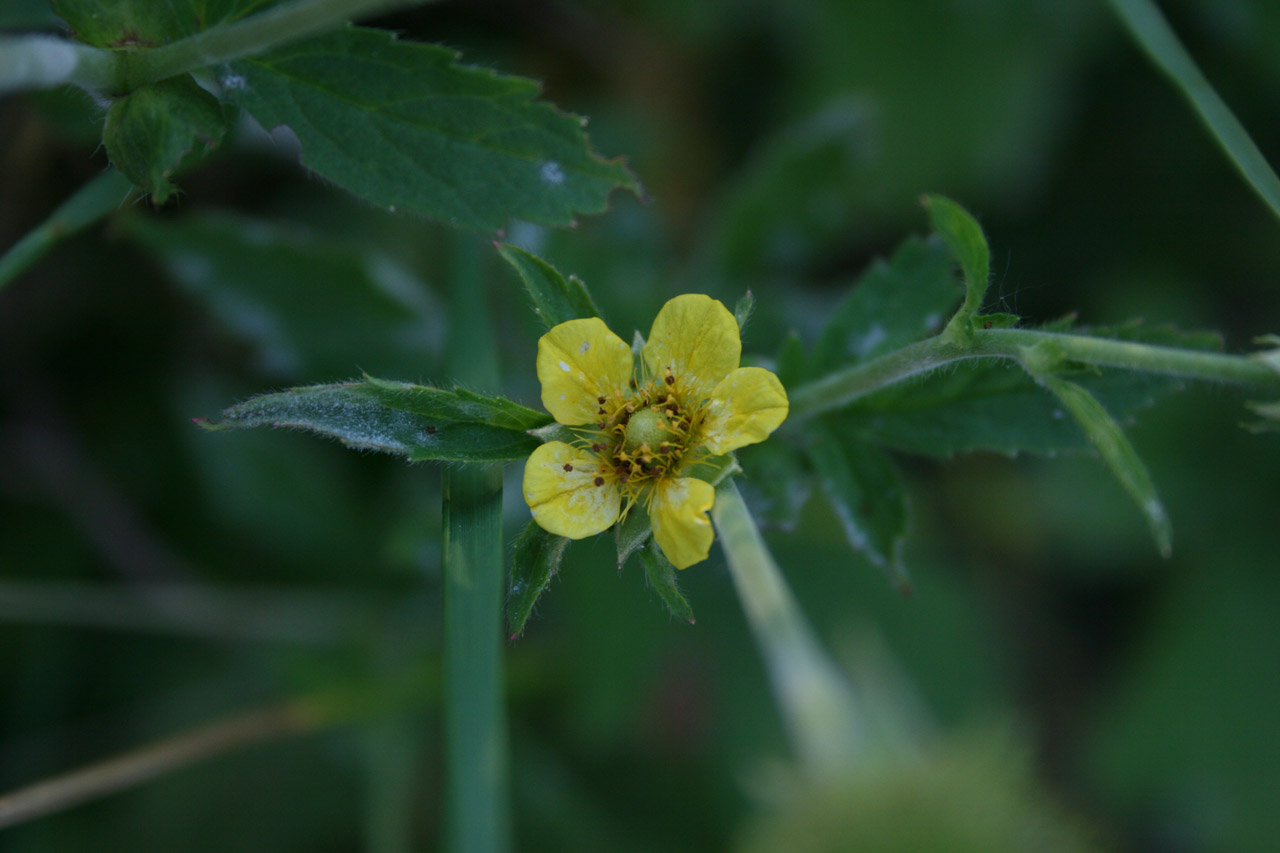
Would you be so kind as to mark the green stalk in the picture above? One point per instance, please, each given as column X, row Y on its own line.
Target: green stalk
column 843, row 387
column 474, row 720
column 1149, row 28
column 86, row 206
column 816, row 700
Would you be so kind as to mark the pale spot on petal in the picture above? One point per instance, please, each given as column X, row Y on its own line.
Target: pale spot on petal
column 586, row 345
column 564, row 367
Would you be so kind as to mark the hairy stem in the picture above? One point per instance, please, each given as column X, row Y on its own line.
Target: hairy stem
column 816, row 700
column 42, row 62
column 843, row 387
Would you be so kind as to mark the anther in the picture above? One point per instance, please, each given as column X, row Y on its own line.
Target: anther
column 599, row 481
column 633, row 383
column 568, row 467
column 600, row 400
column 670, row 380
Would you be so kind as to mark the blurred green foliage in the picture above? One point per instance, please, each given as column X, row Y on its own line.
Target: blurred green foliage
column 784, row 147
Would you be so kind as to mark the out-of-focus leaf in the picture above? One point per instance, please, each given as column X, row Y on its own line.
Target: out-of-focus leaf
column 1117, row 451
column 536, row 559
column 891, row 305
column 793, row 199
column 87, row 205
column 555, row 299
column 311, row 306
column 402, row 125
column 632, row 534
column 866, row 494
column 993, row 405
column 26, row 15
column 776, row 482
column 414, row 421
column 1269, row 357
column 153, row 131
column 662, row 577
column 146, row 23
column 963, row 236
column 1270, row 414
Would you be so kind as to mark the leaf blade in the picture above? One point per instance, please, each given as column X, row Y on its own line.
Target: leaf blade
column 456, row 143
column 535, row 561
column 556, row 299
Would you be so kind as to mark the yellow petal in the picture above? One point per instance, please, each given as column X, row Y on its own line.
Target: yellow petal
column 560, row 488
column 696, row 338
column 579, row 362
column 744, row 408
column 680, row 524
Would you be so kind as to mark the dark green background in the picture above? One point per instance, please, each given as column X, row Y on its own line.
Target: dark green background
column 783, row 146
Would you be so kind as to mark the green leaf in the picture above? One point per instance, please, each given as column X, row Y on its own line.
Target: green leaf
column 632, row 534
column 992, row 405
column 662, row 577
column 146, row 23
column 87, row 205
column 866, row 494
column 310, row 305
column 156, row 129
column 403, row 125
column 963, row 236
column 555, row 299
column 1116, row 450
column 777, row 482
column 415, row 421
column 536, row 559
column 892, row 304
column 1270, row 414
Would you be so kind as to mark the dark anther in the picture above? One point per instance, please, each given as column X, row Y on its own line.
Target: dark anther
column 671, row 380
column 600, row 400
column 633, row 383
column 600, row 411
column 568, row 467
column 596, row 448
column 602, row 426
column 599, row 481
column 431, row 430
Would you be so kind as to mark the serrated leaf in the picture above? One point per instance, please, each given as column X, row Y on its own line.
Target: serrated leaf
column 555, row 299
column 1116, row 450
column 632, row 534
column 402, row 125
column 865, row 492
column 535, row 561
column 158, row 128
column 308, row 304
column 892, row 304
column 146, row 23
column 662, row 577
column 963, row 236
column 992, row 405
column 414, row 421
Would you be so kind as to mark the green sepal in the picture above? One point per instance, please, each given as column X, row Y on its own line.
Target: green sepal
column 743, row 310
column 417, row 422
column 403, row 125
column 662, row 577
column 866, row 494
column 1116, row 451
column 535, row 561
column 631, row 534
column 556, row 299
column 158, row 128
column 963, row 236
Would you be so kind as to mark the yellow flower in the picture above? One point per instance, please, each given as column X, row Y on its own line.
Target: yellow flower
column 644, row 432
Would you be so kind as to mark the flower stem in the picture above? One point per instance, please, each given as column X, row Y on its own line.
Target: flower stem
column 816, row 700
column 843, row 387
column 474, row 719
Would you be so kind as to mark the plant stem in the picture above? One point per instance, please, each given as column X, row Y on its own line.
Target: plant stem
column 131, row 768
column 254, row 34
column 816, row 700
column 475, row 726
column 843, row 387
column 42, row 62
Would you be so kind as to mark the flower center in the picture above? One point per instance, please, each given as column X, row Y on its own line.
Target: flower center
column 646, row 427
